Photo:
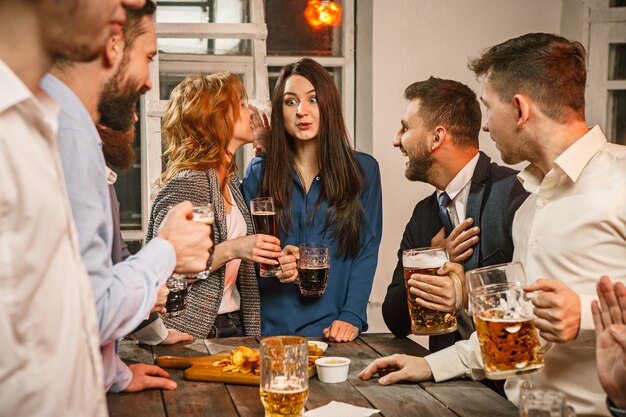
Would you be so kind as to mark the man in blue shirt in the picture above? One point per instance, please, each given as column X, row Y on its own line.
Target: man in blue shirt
column 124, row 293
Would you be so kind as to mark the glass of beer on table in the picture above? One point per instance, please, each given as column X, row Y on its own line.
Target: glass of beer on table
column 264, row 220
column 284, row 375
column 504, row 321
column 426, row 261
column 313, row 269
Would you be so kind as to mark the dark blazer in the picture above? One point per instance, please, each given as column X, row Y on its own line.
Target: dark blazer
column 495, row 195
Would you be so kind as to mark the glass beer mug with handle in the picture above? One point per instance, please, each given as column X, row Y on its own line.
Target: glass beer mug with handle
column 264, row 221
column 504, row 321
column 426, row 261
column 284, row 375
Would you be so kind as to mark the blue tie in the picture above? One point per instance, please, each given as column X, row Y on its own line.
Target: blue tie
column 444, row 215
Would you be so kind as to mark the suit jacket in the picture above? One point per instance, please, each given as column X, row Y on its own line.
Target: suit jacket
column 495, row 195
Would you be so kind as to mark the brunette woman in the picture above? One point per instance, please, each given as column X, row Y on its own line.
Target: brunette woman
column 324, row 192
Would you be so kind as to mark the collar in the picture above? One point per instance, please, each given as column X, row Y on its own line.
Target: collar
column 572, row 161
column 461, row 179
column 71, row 105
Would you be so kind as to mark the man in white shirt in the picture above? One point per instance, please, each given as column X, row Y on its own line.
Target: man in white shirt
column 50, row 364
column 572, row 228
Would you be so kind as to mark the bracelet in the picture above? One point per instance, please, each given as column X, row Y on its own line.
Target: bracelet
column 616, row 412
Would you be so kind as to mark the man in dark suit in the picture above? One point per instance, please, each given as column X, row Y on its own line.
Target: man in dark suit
column 439, row 135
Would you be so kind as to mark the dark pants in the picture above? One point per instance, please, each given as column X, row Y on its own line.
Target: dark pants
column 227, row 325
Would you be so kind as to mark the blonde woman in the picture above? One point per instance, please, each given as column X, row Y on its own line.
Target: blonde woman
column 205, row 121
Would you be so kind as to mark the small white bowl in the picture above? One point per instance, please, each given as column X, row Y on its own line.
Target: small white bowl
column 319, row 344
column 332, row 369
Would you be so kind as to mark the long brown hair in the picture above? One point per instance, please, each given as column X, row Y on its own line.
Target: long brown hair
column 198, row 124
column 342, row 176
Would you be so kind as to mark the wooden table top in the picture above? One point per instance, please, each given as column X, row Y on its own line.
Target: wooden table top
column 452, row 398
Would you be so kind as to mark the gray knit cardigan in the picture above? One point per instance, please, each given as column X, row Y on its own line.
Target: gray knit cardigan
column 201, row 187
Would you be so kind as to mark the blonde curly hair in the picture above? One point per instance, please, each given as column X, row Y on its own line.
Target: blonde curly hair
column 198, row 124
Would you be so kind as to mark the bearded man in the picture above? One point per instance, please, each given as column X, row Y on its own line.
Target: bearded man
column 439, row 135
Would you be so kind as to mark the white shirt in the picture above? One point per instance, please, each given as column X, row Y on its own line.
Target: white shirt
column 50, row 363
column 572, row 227
column 458, row 190
column 236, row 227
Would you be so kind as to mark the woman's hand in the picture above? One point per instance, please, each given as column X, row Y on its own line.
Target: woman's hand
column 288, row 264
column 341, row 331
column 260, row 130
column 264, row 249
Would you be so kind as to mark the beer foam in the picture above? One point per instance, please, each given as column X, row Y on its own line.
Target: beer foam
column 263, row 213
column 423, row 260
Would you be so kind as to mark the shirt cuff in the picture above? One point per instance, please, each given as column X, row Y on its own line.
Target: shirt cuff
column 123, row 376
column 161, row 256
column 446, row 364
column 153, row 334
column 353, row 319
column 586, row 318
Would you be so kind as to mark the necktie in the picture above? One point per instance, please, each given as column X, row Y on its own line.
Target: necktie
column 444, row 215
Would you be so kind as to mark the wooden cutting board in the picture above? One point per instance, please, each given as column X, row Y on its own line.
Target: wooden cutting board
column 201, row 368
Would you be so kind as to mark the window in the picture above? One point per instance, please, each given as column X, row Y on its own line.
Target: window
column 227, row 35
column 606, row 93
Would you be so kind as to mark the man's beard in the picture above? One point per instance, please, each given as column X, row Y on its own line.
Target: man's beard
column 420, row 166
column 117, row 118
column 118, row 146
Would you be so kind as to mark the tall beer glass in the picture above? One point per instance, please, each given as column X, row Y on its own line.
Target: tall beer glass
column 264, row 219
column 426, row 261
column 204, row 214
column 504, row 321
column 284, row 375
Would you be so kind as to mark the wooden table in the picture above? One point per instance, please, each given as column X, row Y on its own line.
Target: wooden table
column 452, row 398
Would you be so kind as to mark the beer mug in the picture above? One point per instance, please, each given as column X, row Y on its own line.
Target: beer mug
column 313, row 269
column 177, row 297
column 504, row 321
column 204, row 214
column 264, row 220
column 284, row 384
column 544, row 403
column 426, row 261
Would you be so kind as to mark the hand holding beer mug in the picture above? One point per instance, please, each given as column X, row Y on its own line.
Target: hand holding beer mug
column 264, row 219
column 504, row 321
column 427, row 261
column 204, row 214
column 284, row 375
column 313, row 269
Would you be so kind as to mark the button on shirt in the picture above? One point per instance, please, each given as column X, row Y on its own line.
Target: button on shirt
column 572, row 228
column 50, row 364
column 125, row 292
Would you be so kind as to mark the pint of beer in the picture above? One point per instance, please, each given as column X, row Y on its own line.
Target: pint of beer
column 426, row 261
column 284, row 384
column 504, row 321
column 313, row 269
column 264, row 220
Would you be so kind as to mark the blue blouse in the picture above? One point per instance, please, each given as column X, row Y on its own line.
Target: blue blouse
column 283, row 309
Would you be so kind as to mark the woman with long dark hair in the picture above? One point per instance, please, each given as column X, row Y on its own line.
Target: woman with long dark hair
column 324, row 192
column 205, row 121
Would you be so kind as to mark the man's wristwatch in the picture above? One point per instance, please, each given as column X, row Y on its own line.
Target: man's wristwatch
column 616, row 412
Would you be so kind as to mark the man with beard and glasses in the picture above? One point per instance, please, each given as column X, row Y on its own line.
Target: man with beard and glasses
column 471, row 211
column 124, row 293
column 49, row 359
column 117, row 131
